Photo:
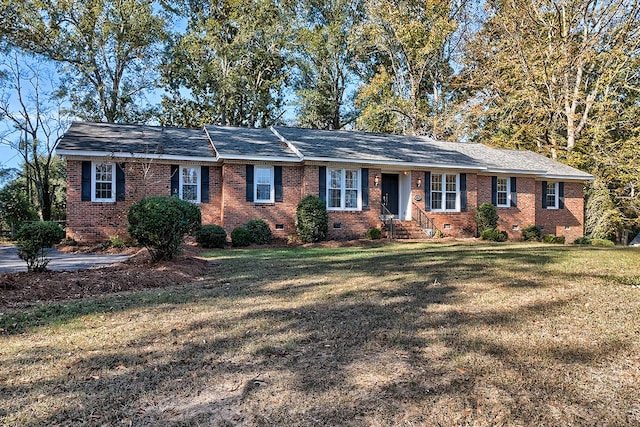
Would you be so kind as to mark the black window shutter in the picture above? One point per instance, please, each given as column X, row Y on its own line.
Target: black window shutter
column 544, row 194
column 561, row 195
column 175, row 180
column 494, row 190
column 85, row 193
column 322, row 184
column 427, row 191
column 249, row 188
column 364, row 185
column 277, row 178
column 514, row 193
column 119, row 183
column 463, row 192
column 204, row 184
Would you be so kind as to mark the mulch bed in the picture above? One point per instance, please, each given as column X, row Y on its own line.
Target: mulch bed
column 26, row 289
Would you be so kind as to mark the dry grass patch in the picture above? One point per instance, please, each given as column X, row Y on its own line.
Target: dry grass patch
column 411, row 334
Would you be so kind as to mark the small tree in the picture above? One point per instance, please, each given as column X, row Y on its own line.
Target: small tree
column 33, row 238
column 486, row 217
column 312, row 219
column 160, row 224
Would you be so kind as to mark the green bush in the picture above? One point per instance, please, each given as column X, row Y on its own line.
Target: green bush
column 312, row 219
column 211, row 236
column 240, row 236
column 602, row 242
column 486, row 217
column 494, row 235
column 33, row 238
column 160, row 224
column 116, row 242
column 532, row 233
column 582, row 241
column 374, row 233
column 552, row 238
column 259, row 231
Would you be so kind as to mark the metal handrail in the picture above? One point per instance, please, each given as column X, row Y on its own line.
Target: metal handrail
column 387, row 218
column 423, row 220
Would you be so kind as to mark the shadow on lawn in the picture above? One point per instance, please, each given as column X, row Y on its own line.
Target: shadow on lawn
column 209, row 372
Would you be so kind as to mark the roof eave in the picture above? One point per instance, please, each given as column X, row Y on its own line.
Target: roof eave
column 394, row 163
column 123, row 155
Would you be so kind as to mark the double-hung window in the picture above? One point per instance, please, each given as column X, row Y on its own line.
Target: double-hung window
column 445, row 192
column 190, row 183
column 263, row 191
column 551, row 196
column 103, row 185
column 343, row 189
column 503, row 192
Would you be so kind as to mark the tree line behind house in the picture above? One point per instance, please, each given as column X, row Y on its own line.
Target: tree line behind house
column 556, row 77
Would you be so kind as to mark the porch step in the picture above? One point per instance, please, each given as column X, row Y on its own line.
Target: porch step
column 407, row 230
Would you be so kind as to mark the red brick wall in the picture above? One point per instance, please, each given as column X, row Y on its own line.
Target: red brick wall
column 238, row 212
column 567, row 222
column 228, row 207
column 520, row 216
column 91, row 221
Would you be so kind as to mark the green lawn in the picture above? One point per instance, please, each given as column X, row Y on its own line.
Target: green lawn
column 396, row 334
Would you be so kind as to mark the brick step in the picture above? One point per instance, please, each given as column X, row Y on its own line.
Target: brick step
column 407, row 230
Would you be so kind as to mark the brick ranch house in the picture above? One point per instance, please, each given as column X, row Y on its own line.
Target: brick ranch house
column 239, row 174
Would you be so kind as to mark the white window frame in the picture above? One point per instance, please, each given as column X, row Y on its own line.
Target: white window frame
column 443, row 192
column 95, row 182
column 272, row 187
column 508, row 191
column 182, row 183
column 556, row 188
column 343, row 189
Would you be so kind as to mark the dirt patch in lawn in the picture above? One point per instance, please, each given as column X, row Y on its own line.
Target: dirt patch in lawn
column 26, row 289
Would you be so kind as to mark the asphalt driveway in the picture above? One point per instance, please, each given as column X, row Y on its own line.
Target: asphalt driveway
column 11, row 263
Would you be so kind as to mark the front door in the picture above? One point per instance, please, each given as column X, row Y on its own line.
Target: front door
column 390, row 192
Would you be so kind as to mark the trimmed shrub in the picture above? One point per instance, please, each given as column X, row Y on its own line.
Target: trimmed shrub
column 486, row 217
column 240, row 236
column 582, row 241
column 259, row 231
column 312, row 219
column 33, row 238
column 211, row 236
column 602, row 242
column 160, row 224
column 532, row 233
column 374, row 233
column 552, row 238
column 494, row 235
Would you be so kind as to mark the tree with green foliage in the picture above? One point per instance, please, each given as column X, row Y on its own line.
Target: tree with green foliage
column 160, row 224
column 32, row 122
column 486, row 217
column 32, row 239
column 15, row 205
column 228, row 67
column 410, row 46
column 325, row 62
column 541, row 70
column 107, row 51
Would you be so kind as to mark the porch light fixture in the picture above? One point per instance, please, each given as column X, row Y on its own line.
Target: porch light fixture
column 419, row 182
column 376, row 180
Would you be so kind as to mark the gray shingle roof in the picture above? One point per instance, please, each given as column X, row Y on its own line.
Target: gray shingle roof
column 242, row 143
column 135, row 140
column 376, row 148
column 296, row 145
